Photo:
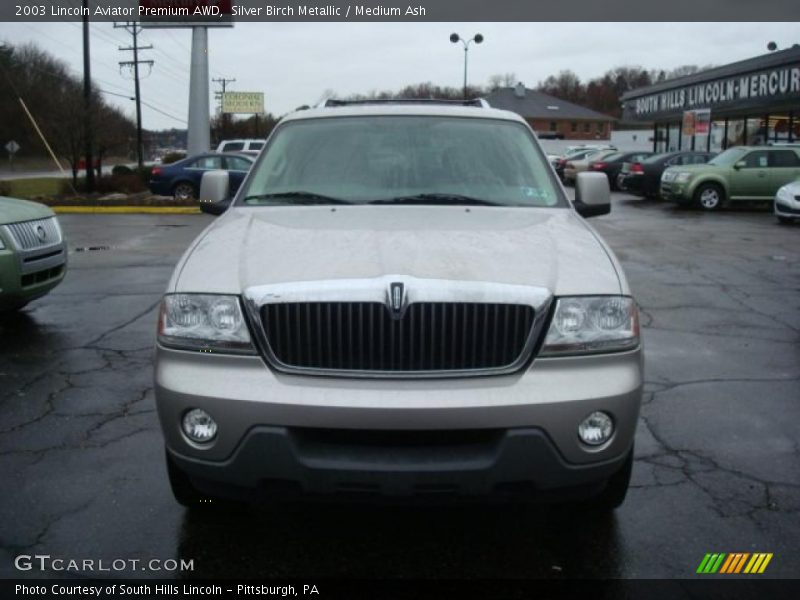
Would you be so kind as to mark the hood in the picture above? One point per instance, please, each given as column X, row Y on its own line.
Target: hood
column 13, row 210
column 551, row 248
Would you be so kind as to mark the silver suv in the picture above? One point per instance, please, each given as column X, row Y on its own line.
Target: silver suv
column 401, row 301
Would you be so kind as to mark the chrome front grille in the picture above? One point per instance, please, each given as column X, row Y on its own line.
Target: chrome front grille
column 32, row 235
column 425, row 338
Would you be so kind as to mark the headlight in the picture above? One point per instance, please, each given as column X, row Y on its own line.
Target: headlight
column 668, row 176
column 683, row 177
column 592, row 324
column 784, row 194
column 205, row 322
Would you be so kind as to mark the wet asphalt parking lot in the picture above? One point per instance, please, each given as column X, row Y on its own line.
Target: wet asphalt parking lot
column 717, row 450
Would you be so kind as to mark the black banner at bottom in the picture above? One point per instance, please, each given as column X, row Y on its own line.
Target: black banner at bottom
column 416, row 589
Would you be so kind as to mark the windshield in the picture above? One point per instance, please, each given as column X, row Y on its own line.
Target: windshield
column 727, row 158
column 407, row 159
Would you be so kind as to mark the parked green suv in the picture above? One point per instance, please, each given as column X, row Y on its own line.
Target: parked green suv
column 33, row 254
column 741, row 173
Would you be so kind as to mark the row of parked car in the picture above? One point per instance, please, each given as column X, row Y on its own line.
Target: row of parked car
column 703, row 179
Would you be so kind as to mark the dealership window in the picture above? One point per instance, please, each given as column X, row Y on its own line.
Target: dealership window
column 601, row 128
column 673, row 137
column 717, row 136
column 778, row 128
column 757, row 131
column 553, row 126
column 660, row 143
column 574, row 127
column 587, row 127
column 736, row 132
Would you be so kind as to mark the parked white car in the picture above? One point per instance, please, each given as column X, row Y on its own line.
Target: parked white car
column 246, row 146
column 787, row 203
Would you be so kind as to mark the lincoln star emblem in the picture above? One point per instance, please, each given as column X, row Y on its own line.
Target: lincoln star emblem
column 41, row 233
column 396, row 297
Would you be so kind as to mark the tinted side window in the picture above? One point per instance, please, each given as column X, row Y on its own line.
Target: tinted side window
column 208, row 162
column 256, row 145
column 237, row 163
column 756, row 160
column 784, row 158
column 233, row 146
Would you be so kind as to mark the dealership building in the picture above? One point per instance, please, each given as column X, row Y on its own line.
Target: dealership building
column 750, row 102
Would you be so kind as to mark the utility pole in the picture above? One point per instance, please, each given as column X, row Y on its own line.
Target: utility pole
column 223, row 82
column 224, row 85
column 135, row 29
column 87, row 102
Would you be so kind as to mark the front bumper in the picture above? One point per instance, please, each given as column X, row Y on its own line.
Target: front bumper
column 307, row 431
column 674, row 192
column 787, row 208
column 279, row 461
column 25, row 276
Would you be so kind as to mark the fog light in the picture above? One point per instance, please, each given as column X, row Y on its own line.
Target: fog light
column 596, row 429
column 199, row 426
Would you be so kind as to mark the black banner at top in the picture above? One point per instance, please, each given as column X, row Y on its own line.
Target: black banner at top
column 218, row 12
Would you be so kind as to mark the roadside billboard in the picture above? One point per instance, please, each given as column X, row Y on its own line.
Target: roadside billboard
column 186, row 13
column 243, row 103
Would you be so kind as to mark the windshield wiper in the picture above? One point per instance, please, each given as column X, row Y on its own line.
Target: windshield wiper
column 303, row 198
column 447, row 199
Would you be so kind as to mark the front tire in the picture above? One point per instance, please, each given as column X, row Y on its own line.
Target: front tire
column 709, row 196
column 784, row 220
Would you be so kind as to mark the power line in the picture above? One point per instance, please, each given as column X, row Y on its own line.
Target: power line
column 166, row 114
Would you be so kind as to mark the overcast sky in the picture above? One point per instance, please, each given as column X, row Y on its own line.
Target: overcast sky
column 295, row 63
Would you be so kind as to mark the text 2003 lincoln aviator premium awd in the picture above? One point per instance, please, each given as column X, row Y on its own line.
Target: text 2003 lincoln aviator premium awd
column 400, row 302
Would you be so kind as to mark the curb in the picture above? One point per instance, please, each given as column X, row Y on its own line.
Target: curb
column 128, row 210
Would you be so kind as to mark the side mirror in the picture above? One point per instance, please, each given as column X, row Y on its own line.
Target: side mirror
column 215, row 189
column 592, row 195
column 739, row 165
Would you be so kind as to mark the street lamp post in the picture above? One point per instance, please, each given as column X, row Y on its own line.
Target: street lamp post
column 455, row 38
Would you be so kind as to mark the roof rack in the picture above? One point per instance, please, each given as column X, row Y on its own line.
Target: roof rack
column 332, row 102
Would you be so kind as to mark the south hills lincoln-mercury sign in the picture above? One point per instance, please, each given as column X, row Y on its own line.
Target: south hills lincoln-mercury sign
column 243, row 103
column 761, row 86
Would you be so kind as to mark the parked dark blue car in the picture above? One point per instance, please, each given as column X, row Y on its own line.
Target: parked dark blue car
column 181, row 179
